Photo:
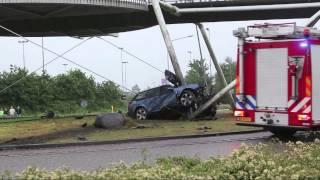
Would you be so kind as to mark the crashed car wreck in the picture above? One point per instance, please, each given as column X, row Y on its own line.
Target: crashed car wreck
column 169, row 101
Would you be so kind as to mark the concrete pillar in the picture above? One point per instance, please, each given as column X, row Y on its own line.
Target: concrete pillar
column 167, row 40
column 215, row 62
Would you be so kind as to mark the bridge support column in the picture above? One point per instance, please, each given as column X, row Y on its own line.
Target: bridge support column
column 167, row 40
column 313, row 20
column 215, row 62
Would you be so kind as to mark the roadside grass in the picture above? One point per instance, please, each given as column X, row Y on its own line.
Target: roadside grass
column 68, row 130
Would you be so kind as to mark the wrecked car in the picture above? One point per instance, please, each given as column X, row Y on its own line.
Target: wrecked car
column 169, row 101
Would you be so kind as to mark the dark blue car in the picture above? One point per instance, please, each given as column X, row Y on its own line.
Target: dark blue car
column 167, row 100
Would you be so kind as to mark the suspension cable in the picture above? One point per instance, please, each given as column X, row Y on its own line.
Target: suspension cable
column 130, row 54
column 58, row 56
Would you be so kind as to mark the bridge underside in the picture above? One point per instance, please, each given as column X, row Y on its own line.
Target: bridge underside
column 88, row 20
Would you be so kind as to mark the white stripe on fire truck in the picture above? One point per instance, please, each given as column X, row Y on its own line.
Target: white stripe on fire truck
column 301, row 104
column 307, row 110
column 290, row 103
column 252, row 100
column 248, row 107
column 250, row 103
column 238, row 106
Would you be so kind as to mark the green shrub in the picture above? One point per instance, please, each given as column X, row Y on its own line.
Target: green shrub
column 294, row 161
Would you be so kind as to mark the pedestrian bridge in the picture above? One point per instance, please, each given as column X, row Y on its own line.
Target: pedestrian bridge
column 100, row 17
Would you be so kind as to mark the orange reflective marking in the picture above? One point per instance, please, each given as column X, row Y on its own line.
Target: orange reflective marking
column 308, row 86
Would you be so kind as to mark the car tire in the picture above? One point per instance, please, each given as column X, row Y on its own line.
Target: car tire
column 187, row 98
column 141, row 113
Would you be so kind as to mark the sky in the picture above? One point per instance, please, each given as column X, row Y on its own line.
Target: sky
column 147, row 44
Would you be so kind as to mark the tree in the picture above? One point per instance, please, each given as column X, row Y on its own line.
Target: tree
column 108, row 93
column 229, row 71
column 198, row 73
column 62, row 93
column 135, row 89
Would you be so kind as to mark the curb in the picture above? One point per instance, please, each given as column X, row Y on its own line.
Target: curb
column 38, row 146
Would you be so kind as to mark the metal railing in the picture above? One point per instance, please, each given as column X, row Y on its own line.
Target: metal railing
column 135, row 4
column 189, row 1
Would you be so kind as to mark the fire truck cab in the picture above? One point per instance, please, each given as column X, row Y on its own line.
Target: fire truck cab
column 278, row 77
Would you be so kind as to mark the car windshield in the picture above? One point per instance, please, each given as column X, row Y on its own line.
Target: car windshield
column 141, row 95
column 153, row 92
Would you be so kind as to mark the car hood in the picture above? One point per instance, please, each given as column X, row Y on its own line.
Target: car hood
column 172, row 78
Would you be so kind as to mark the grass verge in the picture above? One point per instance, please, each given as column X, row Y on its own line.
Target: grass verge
column 70, row 130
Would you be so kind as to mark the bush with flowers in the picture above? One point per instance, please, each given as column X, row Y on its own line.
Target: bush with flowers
column 276, row 161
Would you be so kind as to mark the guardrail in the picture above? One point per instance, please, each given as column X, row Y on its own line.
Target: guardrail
column 188, row 1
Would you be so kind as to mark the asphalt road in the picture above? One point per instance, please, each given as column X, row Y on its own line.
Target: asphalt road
column 93, row 157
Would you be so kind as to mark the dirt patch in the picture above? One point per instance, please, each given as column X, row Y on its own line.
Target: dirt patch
column 78, row 132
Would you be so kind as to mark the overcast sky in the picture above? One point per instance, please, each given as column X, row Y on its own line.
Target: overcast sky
column 147, row 44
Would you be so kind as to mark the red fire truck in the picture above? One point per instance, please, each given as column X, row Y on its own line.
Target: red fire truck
column 278, row 77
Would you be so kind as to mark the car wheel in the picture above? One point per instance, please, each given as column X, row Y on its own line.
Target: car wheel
column 187, row 98
column 141, row 113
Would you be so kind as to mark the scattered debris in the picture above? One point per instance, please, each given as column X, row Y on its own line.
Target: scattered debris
column 84, row 125
column 204, row 128
column 139, row 126
column 82, row 138
column 79, row 117
column 48, row 115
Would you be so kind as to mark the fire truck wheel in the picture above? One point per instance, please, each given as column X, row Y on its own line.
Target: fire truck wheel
column 282, row 132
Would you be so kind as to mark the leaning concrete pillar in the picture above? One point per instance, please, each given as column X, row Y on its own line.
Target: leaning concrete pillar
column 167, row 40
column 215, row 61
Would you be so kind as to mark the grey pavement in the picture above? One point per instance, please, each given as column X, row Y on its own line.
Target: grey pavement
column 93, row 157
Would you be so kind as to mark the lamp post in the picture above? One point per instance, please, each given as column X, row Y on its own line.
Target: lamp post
column 177, row 39
column 124, row 73
column 23, row 55
column 42, row 42
column 190, row 55
column 65, row 66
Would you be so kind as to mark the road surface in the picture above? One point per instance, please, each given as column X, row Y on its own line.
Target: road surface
column 93, row 157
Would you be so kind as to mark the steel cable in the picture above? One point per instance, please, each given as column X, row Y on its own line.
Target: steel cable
column 58, row 56
column 130, row 54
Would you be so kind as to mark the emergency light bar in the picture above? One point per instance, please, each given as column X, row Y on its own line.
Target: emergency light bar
column 287, row 30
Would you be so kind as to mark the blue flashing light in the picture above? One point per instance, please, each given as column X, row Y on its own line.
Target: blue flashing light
column 304, row 44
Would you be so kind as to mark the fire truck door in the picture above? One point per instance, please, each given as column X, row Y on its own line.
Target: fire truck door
column 315, row 63
column 272, row 78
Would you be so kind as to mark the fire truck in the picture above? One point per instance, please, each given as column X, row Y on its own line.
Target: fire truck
column 278, row 77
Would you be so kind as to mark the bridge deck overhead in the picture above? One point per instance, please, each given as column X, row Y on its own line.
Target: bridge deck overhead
column 99, row 17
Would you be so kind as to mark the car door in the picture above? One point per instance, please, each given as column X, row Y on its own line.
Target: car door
column 167, row 97
column 151, row 101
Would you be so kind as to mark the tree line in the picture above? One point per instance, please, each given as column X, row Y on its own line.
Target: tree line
column 62, row 93
column 199, row 73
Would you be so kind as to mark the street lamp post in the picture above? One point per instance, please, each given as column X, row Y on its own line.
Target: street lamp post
column 65, row 66
column 124, row 73
column 177, row 39
column 42, row 42
column 190, row 55
column 23, row 55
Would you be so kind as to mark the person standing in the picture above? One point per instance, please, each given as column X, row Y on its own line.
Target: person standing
column 18, row 111
column 12, row 112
